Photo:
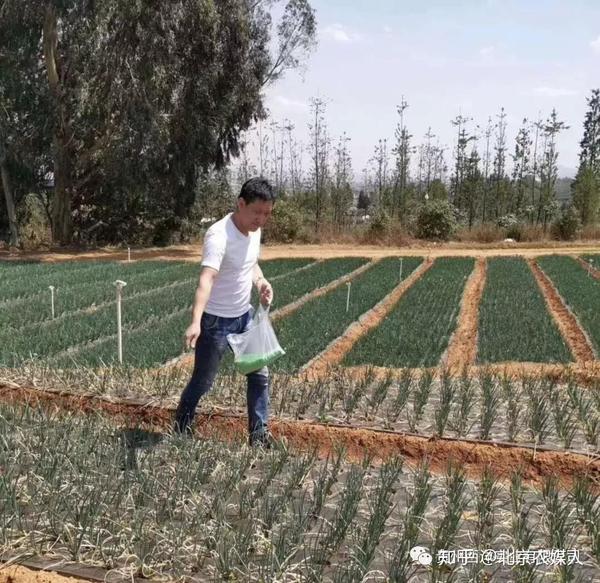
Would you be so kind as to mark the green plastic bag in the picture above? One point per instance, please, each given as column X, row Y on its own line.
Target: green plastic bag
column 256, row 347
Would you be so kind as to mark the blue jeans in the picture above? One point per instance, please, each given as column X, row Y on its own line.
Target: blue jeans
column 210, row 347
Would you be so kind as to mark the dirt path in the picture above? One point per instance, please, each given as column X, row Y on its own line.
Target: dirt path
column 593, row 271
column 19, row 574
column 335, row 352
column 569, row 327
column 462, row 349
column 472, row 455
column 194, row 252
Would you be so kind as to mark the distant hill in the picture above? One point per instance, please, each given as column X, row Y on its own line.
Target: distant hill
column 566, row 171
column 563, row 189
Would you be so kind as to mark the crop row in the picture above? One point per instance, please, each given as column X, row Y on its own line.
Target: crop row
column 153, row 328
column 153, row 291
column 487, row 407
column 144, row 504
column 308, row 331
column 27, row 313
column 417, row 331
column 514, row 323
column 33, row 279
column 490, row 407
column 580, row 292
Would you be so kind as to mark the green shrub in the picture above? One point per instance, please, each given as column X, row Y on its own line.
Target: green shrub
column 436, row 220
column 285, row 223
column 34, row 226
column 380, row 226
column 568, row 225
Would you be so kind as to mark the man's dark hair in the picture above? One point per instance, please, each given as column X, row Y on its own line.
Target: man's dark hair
column 257, row 189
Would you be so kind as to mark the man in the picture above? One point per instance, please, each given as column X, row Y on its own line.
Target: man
column 222, row 305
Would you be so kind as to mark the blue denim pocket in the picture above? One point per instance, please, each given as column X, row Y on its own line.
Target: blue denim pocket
column 209, row 322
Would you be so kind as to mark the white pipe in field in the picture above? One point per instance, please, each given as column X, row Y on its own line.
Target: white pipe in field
column 52, row 298
column 128, row 254
column 400, row 268
column 348, row 284
column 120, row 285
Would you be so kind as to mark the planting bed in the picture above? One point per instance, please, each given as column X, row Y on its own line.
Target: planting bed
column 417, row 331
column 156, row 307
column 374, row 456
column 307, row 331
column 135, row 501
column 514, row 324
column 580, row 291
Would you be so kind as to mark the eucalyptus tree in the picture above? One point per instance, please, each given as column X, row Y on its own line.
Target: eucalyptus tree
column 521, row 167
column 319, row 154
column 341, row 188
column 547, row 203
column 586, row 187
column 402, row 152
column 141, row 99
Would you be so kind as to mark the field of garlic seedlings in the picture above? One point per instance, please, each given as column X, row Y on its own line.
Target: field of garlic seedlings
column 161, row 506
column 449, row 406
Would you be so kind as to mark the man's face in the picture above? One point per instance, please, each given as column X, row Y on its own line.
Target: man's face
column 255, row 214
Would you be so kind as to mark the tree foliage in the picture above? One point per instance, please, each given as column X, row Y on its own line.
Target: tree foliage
column 130, row 103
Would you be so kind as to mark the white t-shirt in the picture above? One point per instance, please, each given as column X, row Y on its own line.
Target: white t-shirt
column 234, row 256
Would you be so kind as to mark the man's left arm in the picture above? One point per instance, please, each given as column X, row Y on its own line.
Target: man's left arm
column 262, row 285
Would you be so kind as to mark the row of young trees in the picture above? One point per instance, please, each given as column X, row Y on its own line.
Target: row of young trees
column 487, row 179
column 116, row 114
column 113, row 111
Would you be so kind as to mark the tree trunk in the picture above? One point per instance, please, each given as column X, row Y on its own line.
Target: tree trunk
column 10, row 204
column 62, row 222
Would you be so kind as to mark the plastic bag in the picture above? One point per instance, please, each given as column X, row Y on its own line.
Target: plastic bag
column 256, row 347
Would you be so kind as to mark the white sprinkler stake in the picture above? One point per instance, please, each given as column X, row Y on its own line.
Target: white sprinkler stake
column 348, row 284
column 400, row 268
column 128, row 254
column 52, row 288
column 120, row 285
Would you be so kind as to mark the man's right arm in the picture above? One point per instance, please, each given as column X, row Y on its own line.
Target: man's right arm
column 205, row 283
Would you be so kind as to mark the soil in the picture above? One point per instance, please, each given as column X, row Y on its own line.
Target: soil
column 595, row 273
column 462, row 349
column 337, row 350
column 473, row 456
column 194, row 252
column 571, row 331
column 19, row 574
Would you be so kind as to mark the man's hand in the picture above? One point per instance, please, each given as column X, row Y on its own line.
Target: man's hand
column 192, row 334
column 265, row 291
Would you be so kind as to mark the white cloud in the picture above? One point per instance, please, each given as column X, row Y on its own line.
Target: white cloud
column 290, row 103
column 487, row 51
column 339, row 33
column 595, row 44
column 387, row 29
column 554, row 91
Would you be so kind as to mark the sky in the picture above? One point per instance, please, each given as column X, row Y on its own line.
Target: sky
column 445, row 57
